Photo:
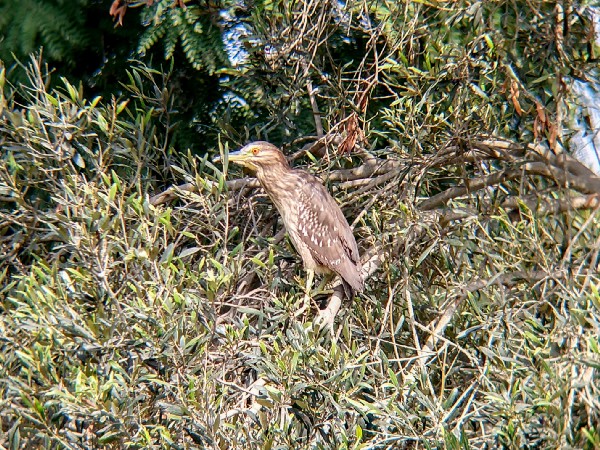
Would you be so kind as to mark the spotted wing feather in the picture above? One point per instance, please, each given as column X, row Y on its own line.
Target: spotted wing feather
column 325, row 231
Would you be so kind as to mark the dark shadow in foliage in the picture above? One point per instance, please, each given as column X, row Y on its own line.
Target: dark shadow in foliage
column 79, row 41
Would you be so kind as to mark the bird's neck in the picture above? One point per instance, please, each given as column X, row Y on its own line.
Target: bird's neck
column 284, row 186
column 275, row 179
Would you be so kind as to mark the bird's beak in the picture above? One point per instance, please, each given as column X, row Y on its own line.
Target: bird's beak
column 233, row 156
column 237, row 156
column 241, row 157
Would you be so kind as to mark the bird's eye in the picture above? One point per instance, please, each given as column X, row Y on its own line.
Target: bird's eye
column 255, row 151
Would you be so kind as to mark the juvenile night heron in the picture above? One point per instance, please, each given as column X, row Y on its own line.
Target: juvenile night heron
column 314, row 221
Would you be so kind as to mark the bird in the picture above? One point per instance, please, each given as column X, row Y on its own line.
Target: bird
column 312, row 218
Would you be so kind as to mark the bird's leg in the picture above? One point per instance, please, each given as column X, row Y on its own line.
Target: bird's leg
column 324, row 282
column 310, row 276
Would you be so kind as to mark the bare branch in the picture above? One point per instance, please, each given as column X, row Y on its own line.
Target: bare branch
column 545, row 205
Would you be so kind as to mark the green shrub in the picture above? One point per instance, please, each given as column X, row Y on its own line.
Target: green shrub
column 129, row 322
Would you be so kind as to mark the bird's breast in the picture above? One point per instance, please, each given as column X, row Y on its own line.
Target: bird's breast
column 289, row 207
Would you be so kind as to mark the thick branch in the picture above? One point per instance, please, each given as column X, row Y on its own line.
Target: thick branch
column 588, row 185
column 548, row 206
column 472, row 185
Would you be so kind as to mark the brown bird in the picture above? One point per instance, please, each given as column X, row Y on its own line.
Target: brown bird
column 314, row 221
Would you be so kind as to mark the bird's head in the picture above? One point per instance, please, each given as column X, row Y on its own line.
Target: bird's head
column 259, row 155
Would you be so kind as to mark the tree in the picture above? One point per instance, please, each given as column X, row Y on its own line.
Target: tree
column 131, row 320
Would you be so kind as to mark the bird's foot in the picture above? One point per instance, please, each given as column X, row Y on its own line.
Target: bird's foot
column 326, row 317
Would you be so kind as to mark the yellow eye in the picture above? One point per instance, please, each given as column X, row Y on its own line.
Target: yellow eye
column 255, row 151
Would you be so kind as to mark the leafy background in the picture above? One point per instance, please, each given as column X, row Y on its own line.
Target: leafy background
column 135, row 315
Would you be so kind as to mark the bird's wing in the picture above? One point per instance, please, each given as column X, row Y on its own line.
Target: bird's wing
column 325, row 230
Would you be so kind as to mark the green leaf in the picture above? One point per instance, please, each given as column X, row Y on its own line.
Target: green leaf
column 189, row 251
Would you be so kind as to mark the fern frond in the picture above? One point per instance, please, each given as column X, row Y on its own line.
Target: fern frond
column 200, row 39
column 29, row 24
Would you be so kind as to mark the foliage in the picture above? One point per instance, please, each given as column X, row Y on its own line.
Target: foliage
column 127, row 321
column 78, row 40
column 408, row 70
column 58, row 26
column 196, row 29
